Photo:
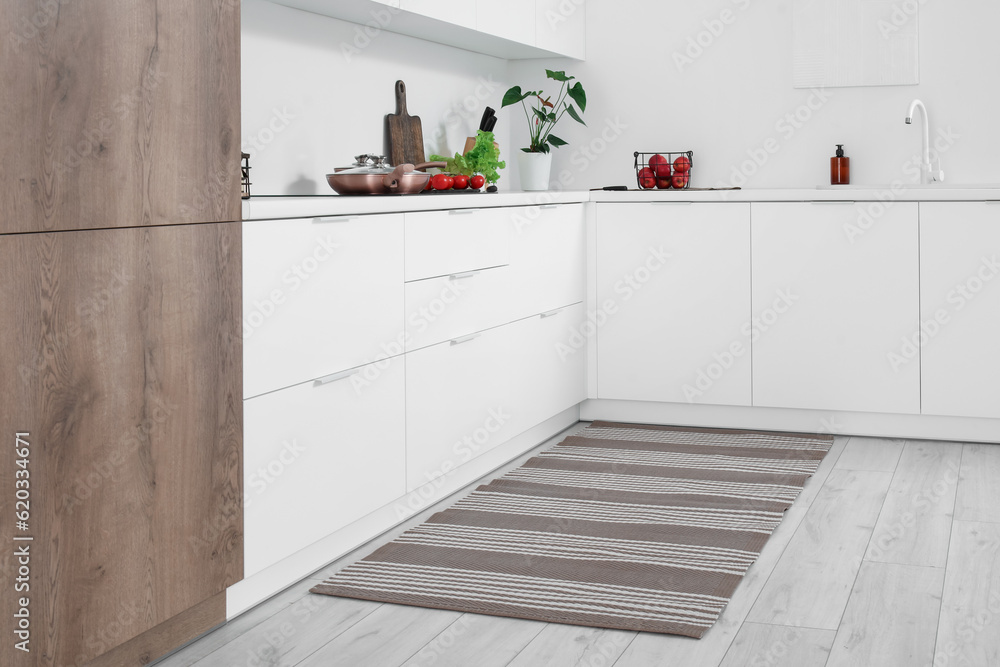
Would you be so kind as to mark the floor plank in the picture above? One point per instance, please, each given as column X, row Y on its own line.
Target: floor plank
column 874, row 454
column 655, row 649
column 812, row 582
column 969, row 628
column 779, row 646
column 978, row 489
column 237, row 627
column 475, row 639
column 914, row 527
column 387, row 637
column 293, row 633
column 571, row 645
column 891, row 618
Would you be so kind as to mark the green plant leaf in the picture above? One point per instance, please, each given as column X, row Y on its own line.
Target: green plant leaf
column 571, row 110
column 556, row 141
column 579, row 95
column 558, row 76
column 541, row 114
column 513, row 96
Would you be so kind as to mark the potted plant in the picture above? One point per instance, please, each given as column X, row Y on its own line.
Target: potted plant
column 535, row 161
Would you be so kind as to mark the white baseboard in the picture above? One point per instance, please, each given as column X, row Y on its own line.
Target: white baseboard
column 871, row 424
column 262, row 585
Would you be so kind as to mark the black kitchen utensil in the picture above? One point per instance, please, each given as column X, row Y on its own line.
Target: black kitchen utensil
column 489, row 113
column 491, row 123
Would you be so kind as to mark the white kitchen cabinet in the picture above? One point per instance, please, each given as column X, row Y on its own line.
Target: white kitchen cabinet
column 832, row 305
column 319, row 456
column 458, row 13
column 960, row 308
column 440, row 309
column 440, row 243
column 511, row 19
column 458, row 403
column 547, row 257
column 319, row 296
column 673, row 302
column 561, row 26
column 548, row 371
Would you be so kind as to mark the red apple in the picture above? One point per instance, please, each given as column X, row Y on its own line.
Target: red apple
column 681, row 180
column 663, row 183
column 682, row 164
column 647, row 180
column 660, row 166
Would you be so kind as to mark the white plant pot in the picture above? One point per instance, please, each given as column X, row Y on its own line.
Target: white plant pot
column 534, row 169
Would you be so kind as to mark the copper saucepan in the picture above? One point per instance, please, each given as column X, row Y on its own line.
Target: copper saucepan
column 370, row 175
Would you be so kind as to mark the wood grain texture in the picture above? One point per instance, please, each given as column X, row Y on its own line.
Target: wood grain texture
column 970, row 605
column 119, row 113
column 124, row 356
column 388, row 636
column 812, row 583
column 293, row 634
column 914, row 527
column 475, row 639
column 404, row 137
column 978, row 491
column 875, row 454
column 182, row 628
column 779, row 646
column 891, row 618
column 571, row 645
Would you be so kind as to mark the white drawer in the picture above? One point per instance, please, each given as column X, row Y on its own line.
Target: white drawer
column 457, row 403
column 440, row 243
column 547, row 257
column 318, row 457
column 319, row 296
column 440, row 309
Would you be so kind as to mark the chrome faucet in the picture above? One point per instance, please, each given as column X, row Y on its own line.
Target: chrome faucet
column 927, row 172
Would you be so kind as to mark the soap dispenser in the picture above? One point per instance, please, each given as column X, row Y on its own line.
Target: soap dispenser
column 840, row 168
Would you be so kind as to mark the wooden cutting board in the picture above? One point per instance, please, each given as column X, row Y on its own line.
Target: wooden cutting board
column 404, row 136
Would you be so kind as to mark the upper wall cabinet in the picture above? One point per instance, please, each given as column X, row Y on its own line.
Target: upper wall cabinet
column 514, row 30
column 119, row 114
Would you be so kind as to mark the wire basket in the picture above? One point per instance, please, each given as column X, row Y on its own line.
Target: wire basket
column 664, row 170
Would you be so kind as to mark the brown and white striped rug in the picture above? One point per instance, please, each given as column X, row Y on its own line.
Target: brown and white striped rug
column 624, row 526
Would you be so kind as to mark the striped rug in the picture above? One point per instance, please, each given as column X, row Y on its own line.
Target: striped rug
column 624, row 526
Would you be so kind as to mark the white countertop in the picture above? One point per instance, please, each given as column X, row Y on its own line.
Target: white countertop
column 269, row 208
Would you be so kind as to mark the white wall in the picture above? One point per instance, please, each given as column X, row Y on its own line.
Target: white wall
column 731, row 98
column 309, row 107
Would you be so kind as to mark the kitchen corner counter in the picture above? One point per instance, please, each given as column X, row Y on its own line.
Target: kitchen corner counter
column 278, row 207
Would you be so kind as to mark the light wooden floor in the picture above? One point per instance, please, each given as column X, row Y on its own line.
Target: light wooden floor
column 889, row 557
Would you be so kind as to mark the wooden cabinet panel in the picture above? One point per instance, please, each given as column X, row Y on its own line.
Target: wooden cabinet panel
column 673, row 301
column 959, row 309
column 122, row 360
column 832, row 306
column 119, row 113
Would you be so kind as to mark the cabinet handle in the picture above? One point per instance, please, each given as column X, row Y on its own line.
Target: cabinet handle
column 342, row 218
column 461, row 211
column 336, row 376
column 551, row 313
column 993, row 202
column 546, row 207
column 465, row 339
column 459, row 276
column 671, row 203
